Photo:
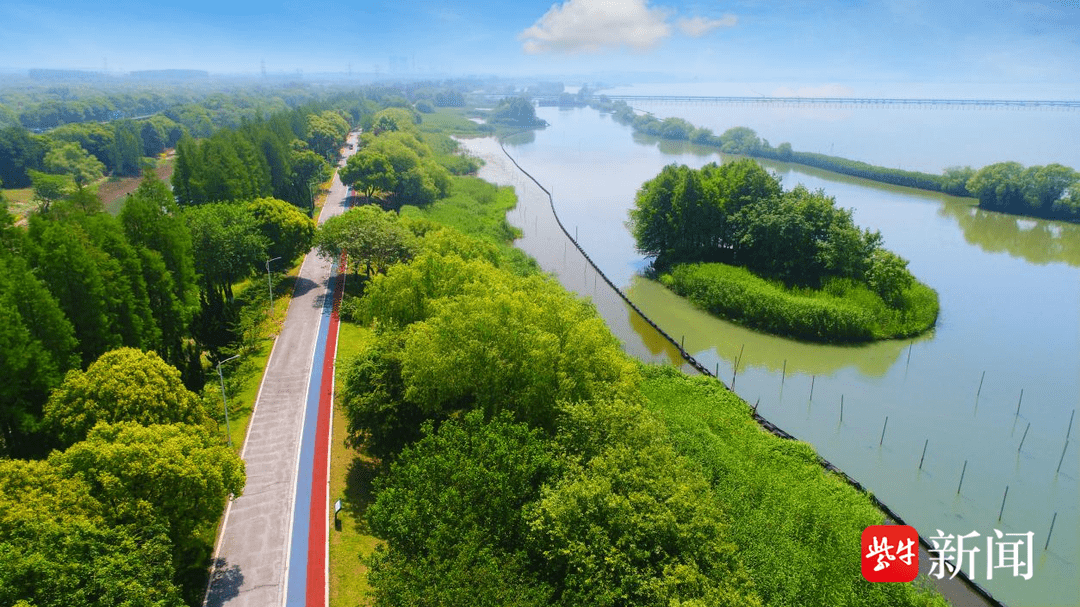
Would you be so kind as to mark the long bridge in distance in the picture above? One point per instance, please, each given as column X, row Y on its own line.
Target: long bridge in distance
column 1060, row 104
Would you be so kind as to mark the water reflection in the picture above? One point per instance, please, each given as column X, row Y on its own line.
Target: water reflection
column 1036, row 241
column 522, row 138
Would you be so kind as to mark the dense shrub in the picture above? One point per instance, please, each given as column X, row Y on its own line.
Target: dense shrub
column 842, row 311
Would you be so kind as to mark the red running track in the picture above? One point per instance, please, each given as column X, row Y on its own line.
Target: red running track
column 317, row 592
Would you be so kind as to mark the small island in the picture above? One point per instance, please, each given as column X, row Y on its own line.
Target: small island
column 792, row 263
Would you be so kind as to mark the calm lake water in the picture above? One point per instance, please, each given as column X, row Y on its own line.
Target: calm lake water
column 1010, row 309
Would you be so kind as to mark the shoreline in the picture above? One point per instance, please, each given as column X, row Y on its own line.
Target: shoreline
column 960, row 591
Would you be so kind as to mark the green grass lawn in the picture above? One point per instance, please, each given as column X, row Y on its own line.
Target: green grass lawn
column 478, row 209
column 452, row 121
column 351, row 474
column 20, row 202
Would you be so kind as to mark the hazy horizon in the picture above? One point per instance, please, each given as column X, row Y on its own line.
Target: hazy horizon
column 1009, row 47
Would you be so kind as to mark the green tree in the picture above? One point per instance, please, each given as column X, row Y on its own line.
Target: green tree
column 1044, row 186
column 49, row 188
column 888, row 276
column 326, row 133
column 740, row 140
column 96, row 138
column 71, row 159
column 451, row 509
column 289, row 232
column 370, row 237
column 152, row 223
column 407, row 292
column 20, row 152
column 176, row 474
column 999, row 186
column 38, row 345
column 463, row 356
column 92, row 287
column 58, row 550
column 226, row 243
column 954, row 180
column 515, row 111
column 369, row 172
column 631, row 522
column 308, row 168
column 127, row 151
column 121, row 386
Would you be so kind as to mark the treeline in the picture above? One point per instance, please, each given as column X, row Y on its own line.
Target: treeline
column 79, row 282
column 124, row 511
column 737, row 214
column 516, row 112
column 397, row 165
column 528, row 461
column 283, row 156
column 77, row 153
column 84, row 152
column 1050, row 191
column 109, row 328
column 41, row 108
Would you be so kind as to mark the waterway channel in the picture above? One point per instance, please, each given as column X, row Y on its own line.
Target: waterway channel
column 1010, row 322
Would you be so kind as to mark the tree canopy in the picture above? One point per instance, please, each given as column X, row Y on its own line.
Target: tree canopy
column 737, row 213
column 122, row 385
column 395, row 162
column 371, row 238
column 1044, row 191
column 177, row 474
column 515, row 111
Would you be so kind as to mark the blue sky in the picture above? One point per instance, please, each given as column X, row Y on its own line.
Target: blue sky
column 806, row 43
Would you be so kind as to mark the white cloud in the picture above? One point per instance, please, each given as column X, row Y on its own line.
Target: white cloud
column 595, row 25
column 697, row 27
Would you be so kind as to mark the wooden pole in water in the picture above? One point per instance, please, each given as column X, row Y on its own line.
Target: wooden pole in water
column 1069, row 431
column 783, row 374
column 1062, row 458
column 908, row 363
column 842, row 409
column 717, row 372
column 923, row 456
column 979, row 391
column 1024, row 438
column 961, row 478
column 682, row 343
column 1049, row 533
column 883, row 430
column 1019, row 401
column 1000, row 512
column 756, row 403
column 812, row 378
column 735, row 370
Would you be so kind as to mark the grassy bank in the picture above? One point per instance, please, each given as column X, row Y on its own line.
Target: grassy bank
column 842, row 311
column 797, row 526
column 351, row 473
column 625, row 504
column 478, row 209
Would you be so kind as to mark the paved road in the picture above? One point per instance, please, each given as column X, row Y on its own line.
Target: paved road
column 252, row 556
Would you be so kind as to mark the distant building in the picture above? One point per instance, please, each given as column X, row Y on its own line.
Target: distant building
column 50, row 75
column 170, row 75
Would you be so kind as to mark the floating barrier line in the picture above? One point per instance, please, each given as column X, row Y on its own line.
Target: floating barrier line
column 764, row 423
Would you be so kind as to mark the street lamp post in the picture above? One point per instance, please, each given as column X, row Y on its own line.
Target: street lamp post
column 225, row 403
column 269, row 285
